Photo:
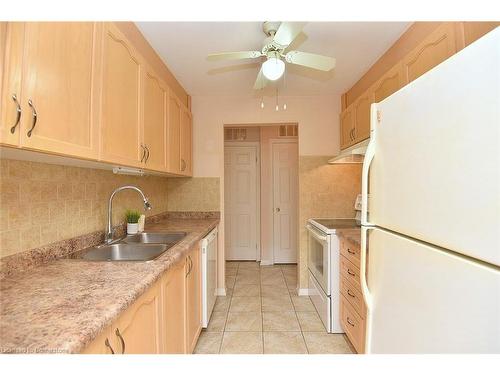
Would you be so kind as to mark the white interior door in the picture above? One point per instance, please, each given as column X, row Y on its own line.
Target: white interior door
column 240, row 202
column 285, row 197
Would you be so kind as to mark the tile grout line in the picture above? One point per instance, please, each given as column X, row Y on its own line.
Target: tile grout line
column 295, row 311
column 227, row 312
column 261, row 311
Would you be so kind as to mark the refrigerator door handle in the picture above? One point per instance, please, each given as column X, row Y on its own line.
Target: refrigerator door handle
column 370, row 153
column 367, row 297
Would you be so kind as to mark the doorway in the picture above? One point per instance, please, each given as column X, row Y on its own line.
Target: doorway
column 261, row 193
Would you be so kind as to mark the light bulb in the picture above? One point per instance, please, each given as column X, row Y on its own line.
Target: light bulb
column 277, row 108
column 273, row 68
column 284, row 106
column 262, row 104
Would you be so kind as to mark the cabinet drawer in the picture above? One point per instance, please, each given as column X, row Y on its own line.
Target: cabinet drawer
column 350, row 250
column 349, row 271
column 353, row 295
column 353, row 325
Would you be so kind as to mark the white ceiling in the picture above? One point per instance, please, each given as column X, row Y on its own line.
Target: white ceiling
column 184, row 47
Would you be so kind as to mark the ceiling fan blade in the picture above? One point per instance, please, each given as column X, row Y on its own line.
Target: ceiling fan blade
column 234, row 55
column 287, row 32
column 261, row 81
column 311, row 60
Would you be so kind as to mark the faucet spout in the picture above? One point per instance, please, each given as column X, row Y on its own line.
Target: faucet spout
column 109, row 228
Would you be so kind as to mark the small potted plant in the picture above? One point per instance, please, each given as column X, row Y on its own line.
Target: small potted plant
column 132, row 221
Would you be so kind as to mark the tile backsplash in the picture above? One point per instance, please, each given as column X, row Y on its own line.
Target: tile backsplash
column 44, row 203
column 324, row 191
column 194, row 194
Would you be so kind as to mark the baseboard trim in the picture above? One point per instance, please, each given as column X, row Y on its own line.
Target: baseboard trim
column 221, row 291
column 266, row 262
column 302, row 291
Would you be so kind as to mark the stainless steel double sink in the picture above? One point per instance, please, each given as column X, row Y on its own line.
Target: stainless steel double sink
column 138, row 247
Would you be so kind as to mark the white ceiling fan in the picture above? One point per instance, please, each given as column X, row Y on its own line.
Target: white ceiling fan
column 279, row 36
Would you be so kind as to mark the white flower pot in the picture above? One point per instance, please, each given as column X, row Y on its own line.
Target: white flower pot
column 132, row 228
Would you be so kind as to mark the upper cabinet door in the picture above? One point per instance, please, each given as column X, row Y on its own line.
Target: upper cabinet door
column 155, row 122
column 59, row 84
column 346, row 128
column 388, row 84
column 174, row 134
column 361, row 108
column 121, row 100
column 434, row 49
column 11, row 55
column 475, row 30
column 186, row 142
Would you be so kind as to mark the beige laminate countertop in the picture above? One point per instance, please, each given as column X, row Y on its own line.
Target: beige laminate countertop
column 61, row 306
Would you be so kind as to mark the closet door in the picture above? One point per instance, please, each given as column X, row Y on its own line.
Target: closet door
column 121, row 100
column 59, row 88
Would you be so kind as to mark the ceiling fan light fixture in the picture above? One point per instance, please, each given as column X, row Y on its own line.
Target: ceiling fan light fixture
column 273, row 68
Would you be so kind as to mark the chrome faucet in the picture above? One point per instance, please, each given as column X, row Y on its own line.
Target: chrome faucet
column 109, row 229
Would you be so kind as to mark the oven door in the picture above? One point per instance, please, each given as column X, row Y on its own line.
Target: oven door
column 318, row 257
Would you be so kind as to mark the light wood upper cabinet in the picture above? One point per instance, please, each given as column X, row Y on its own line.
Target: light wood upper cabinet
column 174, row 134
column 121, row 100
column 138, row 329
column 434, row 49
column 388, row 84
column 193, row 298
column 346, row 128
column 475, row 30
column 173, row 293
column 361, row 108
column 57, row 103
column 155, row 122
column 186, row 142
column 12, row 44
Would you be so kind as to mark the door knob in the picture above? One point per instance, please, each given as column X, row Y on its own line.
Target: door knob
column 278, row 209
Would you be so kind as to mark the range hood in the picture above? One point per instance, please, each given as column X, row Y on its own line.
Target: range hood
column 351, row 155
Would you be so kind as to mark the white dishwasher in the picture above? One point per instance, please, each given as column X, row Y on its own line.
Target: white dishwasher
column 208, row 275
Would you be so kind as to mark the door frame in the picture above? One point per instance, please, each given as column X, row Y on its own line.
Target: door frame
column 271, row 213
column 256, row 145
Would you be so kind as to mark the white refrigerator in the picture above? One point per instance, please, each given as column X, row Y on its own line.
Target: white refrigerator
column 431, row 210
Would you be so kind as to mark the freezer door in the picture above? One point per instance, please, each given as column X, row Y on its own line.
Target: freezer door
column 423, row 299
column 435, row 172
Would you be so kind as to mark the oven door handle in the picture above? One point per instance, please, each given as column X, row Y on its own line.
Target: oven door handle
column 316, row 234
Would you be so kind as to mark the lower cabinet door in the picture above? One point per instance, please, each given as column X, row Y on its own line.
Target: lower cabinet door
column 102, row 344
column 173, row 293
column 193, row 299
column 137, row 330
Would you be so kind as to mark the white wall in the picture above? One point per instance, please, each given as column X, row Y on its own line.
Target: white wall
column 317, row 116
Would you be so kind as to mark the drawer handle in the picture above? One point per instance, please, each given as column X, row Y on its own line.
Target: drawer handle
column 349, row 321
column 106, row 342
column 350, row 293
column 350, row 272
column 117, row 332
column 18, row 112
column 351, row 252
column 35, row 117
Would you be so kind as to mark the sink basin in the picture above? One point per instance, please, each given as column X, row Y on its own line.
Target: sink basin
column 123, row 252
column 156, row 238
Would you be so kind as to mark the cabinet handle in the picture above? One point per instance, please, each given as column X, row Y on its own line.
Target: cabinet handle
column 117, row 332
column 350, row 272
column 143, row 153
column 350, row 251
column 106, row 342
column 35, row 117
column 350, row 293
column 349, row 321
column 18, row 114
column 183, row 165
column 147, row 155
column 189, row 266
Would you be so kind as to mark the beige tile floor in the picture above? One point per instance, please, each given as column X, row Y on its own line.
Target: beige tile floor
column 262, row 314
